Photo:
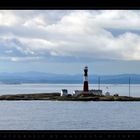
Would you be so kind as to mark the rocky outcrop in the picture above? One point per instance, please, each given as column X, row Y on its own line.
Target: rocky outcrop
column 56, row 96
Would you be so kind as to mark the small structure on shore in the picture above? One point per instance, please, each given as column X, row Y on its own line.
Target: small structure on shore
column 64, row 92
column 77, row 92
column 96, row 92
column 90, row 92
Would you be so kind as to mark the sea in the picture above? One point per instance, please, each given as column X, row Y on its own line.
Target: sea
column 69, row 115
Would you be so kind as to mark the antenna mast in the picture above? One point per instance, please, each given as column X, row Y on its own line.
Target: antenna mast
column 129, row 86
column 99, row 82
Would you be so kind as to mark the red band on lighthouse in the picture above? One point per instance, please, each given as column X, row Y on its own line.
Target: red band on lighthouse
column 85, row 86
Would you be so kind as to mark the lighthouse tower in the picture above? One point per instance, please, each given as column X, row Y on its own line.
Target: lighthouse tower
column 85, row 86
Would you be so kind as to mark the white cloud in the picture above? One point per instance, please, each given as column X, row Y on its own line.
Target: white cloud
column 19, row 59
column 7, row 18
column 70, row 33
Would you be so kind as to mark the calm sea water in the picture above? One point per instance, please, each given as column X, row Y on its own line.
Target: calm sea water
column 68, row 115
column 121, row 89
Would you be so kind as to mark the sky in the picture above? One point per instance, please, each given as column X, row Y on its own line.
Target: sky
column 64, row 41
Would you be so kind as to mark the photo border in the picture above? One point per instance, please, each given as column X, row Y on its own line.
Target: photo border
column 69, row 5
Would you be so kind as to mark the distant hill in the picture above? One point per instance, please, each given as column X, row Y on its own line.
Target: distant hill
column 40, row 77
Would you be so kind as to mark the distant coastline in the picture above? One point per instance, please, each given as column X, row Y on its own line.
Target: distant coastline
column 39, row 77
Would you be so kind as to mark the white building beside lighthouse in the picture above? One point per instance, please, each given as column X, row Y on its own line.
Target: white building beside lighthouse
column 64, row 92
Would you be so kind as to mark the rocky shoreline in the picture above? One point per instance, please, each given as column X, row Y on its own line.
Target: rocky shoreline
column 57, row 97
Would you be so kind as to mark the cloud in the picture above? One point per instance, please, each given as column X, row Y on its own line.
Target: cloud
column 19, row 59
column 78, row 34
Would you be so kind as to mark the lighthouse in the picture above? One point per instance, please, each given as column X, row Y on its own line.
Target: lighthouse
column 86, row 91
column 85, row 86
